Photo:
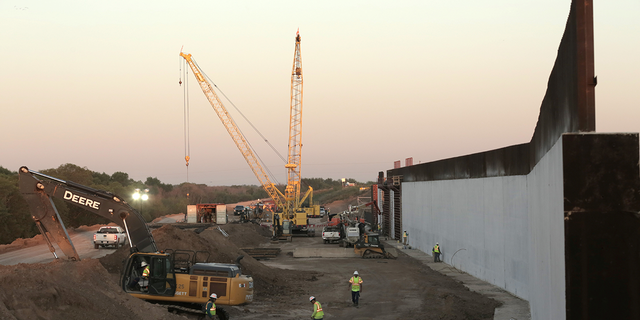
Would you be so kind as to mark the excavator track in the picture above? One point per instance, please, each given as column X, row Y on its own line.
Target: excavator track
column 368, row 254
column 372, row 255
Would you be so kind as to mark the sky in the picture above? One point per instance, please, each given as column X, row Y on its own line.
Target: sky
column 96, row 83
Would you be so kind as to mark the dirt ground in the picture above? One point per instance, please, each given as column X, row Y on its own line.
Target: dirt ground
column 392, row 289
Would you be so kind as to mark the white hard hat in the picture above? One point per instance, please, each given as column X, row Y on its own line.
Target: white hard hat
column 214, row 296
column 355, row 272
column 144, row 263
column 312, row 298
column 437, row 243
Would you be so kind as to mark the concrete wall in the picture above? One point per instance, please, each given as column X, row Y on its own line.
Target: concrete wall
column 504, row 230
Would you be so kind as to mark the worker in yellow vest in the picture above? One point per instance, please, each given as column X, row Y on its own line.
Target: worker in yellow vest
column 317, row 309
column 356, row 288
column 404, row 237
column 436, row 253
column 210, row 308
column 145, row 272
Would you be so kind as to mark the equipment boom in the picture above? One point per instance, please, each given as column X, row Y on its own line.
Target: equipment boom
column 235, row 133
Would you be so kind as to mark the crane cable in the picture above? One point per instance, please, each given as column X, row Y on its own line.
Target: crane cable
column 248, row 121
column 187, row 144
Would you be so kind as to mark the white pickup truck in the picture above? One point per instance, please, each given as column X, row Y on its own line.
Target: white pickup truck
column 331, row 234
column 109, row 236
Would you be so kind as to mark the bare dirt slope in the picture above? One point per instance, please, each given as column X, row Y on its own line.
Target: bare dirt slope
column 393, row 289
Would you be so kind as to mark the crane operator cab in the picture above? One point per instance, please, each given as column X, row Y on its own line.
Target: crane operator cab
column 177, row 278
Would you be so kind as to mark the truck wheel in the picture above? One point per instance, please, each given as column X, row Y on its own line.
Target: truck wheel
column 96, row 246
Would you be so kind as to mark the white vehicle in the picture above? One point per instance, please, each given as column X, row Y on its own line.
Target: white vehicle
column 331, row 234
column 109, row 236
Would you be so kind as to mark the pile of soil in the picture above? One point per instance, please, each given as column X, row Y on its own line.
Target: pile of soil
column 69, row 290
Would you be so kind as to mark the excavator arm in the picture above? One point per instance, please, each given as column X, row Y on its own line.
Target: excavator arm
column 38, row 190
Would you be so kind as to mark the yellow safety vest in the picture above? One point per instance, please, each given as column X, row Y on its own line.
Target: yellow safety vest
column 211, row 309
column 436, row 249
column 317, row 311
column 355, row 286
column 145, row 273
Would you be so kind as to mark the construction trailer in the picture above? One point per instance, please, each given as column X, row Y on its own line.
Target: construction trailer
column 207, row 213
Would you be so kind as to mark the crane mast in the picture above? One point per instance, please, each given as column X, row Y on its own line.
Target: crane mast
column 235, row 133
column 292, row 191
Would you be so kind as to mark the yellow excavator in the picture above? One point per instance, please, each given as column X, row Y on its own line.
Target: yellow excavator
column 181, row 279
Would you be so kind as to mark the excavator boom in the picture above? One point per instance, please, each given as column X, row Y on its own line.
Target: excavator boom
column 38, row 190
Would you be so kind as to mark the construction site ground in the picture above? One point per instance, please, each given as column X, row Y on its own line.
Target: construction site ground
column 403, row 288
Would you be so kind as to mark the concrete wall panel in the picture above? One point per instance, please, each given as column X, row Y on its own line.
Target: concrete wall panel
column 546, row 219
column 482, row 221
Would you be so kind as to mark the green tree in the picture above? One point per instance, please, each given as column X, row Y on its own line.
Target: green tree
column 121, row 177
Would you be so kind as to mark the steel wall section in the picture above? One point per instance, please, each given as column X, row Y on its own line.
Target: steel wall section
column 581, row 265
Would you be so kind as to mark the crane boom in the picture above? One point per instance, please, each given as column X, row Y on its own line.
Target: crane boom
column 235, row 133
column 292, row 192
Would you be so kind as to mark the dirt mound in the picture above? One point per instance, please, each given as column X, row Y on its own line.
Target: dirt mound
column 69, row 290
column 246, row 235
column 341, row 205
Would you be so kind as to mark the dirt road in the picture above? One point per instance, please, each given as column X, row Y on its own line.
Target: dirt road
column 82, row 239
column 392, row 289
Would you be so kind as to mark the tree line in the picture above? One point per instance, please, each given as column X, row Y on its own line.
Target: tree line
column 163, row 198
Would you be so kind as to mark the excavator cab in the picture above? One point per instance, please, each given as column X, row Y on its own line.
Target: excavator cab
column 161, row 280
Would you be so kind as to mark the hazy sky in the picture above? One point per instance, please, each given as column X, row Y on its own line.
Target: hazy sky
column 95, row 83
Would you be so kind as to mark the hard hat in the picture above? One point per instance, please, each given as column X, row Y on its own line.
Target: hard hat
column 214, row 296
column 144, row 264
column 312, row 298
column 355, row 272
column 437, row 244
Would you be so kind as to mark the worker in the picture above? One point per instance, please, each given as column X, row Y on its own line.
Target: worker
column 317, row 309
column 404, row 237
column 356, row 287
column 141, row 274
column 145, row 272
column 436, row 253
column 210, row 308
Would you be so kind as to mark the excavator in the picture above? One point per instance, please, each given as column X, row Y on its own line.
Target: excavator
column 181, row 279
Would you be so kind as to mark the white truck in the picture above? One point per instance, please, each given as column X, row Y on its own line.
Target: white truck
column 331, row 234
column 111, row 236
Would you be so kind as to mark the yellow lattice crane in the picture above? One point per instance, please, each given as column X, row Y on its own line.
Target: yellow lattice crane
column 235, row 133
column 288, row 204
column 294, row 178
